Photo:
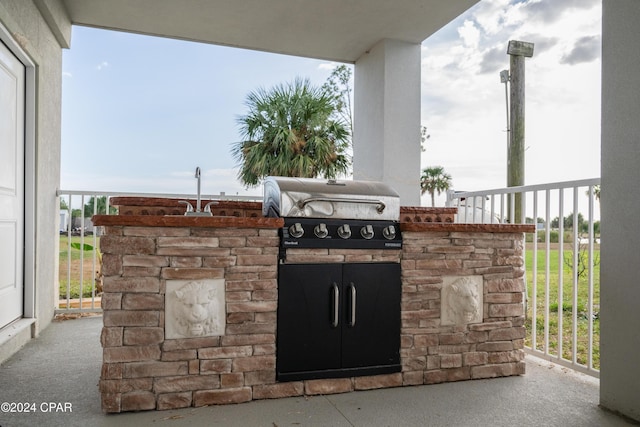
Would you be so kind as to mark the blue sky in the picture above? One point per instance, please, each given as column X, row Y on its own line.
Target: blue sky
column 140, row 113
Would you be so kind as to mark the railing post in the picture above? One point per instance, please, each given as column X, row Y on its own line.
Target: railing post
column 450, row 197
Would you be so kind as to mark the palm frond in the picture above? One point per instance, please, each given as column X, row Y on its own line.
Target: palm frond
column 291, row 130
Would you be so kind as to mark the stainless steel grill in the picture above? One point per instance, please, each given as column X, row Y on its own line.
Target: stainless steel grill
column 334, row 214
column 336, row 319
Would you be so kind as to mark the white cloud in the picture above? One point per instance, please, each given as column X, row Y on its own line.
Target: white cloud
column 66, row 74
column 469, row 34
column 586, row 49
column 327, row 66
column 463, row 101
column 102, row 65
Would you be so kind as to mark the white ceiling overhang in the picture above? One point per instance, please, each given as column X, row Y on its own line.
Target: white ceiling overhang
column 339, row 30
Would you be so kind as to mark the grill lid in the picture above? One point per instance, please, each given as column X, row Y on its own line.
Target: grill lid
column 316, row 198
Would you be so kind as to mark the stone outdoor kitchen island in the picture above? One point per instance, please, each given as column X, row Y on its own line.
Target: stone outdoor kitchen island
column 190, row 304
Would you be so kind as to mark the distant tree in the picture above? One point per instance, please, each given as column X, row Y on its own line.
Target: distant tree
column 75, row 213
column 539, row 220
column 596, row 192
column 582, row 266
column 291, row 130
column 339, row 86
column 568, row 221
column 423, row 137
column 63, row 205
column 101, row 207
column 434, row 180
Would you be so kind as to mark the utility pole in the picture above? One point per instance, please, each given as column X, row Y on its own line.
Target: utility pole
column 504, row 78
column 518, row 51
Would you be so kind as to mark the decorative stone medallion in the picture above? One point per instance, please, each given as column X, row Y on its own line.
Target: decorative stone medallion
column 194, row 308
column 461, row 300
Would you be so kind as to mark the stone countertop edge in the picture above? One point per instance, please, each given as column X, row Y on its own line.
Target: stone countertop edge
column 467, row 228
column 262, row 222
column 186, row 221
column 174, row 202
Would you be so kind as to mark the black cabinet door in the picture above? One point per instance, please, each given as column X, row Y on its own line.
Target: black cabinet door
column 308, row 337
column 338, row 320
column 371, row 330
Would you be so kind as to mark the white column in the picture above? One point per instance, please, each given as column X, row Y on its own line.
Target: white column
column 619, row 268
column 386, row 136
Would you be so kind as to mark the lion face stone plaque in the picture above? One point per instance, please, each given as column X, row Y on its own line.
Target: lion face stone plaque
column 194, row 308
column 462, row 300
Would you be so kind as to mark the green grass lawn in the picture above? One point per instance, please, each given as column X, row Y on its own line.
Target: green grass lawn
column 582, row 315
column 76, row 260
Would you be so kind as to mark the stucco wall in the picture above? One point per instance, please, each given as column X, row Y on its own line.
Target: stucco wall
column 620, row 293
column 28, row 29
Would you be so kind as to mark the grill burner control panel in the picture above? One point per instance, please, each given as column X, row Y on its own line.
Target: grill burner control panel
column 340, row 233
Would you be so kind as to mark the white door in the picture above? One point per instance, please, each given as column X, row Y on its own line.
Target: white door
column 12, row 93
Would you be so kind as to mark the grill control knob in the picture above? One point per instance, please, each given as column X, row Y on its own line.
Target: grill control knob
column 344, row 231
column 296, row 230
column 320, row 230
column 367, row 232
column 389, row 232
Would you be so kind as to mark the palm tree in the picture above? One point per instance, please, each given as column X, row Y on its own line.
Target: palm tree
column 291, row 130
column 596, row 192
column 100, row 209
column 434, row 179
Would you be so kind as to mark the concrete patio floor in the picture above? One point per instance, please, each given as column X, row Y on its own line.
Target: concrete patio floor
column 62, row 367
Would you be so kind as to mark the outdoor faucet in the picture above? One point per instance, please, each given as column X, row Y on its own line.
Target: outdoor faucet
column 198, row 211
column 198, row 178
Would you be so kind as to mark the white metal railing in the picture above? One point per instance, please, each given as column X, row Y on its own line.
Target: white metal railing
column 561, row 306
column 549, row 294
column 80, row 278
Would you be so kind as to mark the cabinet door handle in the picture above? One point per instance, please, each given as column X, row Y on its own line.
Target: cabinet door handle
column 353, row 304
column 336, row 301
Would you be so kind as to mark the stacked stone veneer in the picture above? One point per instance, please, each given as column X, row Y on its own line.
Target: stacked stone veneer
column 142, row 370
column 432, row 353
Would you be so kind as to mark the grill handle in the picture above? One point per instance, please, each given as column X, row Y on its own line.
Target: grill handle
column 379, row 208
column 336, row 300
column 353, row 305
